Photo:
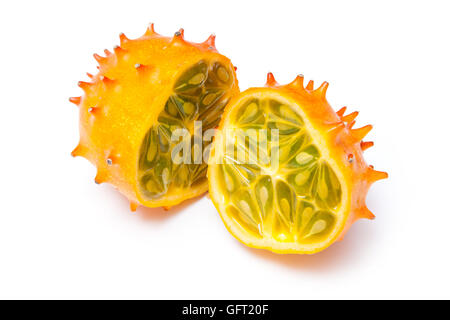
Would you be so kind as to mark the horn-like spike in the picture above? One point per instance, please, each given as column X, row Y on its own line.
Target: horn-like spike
column 166, row 208
column 90, row 75
column 366, row 145
column 141, row 69
column 99, row 58
column 79, row 151
column 350, row 117
column 360, row 133
column 178, row 37
column 107, row 52
column 93, row 110
column 123, row 39
column 351, row 124
column 75, row 100
column 271, row 80
column 298, row 82
column 179, row 34
column 310, row 85
column 84, row 85
column 107, row 81
column 100, row 177
column 341, row 112
column 322, row 90
column 364, row 213
column 150, row 30
column 133, row 206
column 119, row 51
column 374, row 175
column 211, row 41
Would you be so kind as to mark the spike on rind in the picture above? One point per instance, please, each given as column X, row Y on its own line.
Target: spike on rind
column 351, row 124
column 374, row 175
column 100, row 177
column 350, row 117
column 322, row 90
column 341, row 111
column 178, row 37
column 364, row 213
column 119, row 51
column 150, row 30
column 366, row 145
column 90, row 76
column 141, row 69
column 99, row 59
column 298, row 82
column 310, row 85
column 360, row 133
column 133, row 206
column 211, row 42
column 179, row 34
column 79, row 151
column 107, row 81
column 75, row 100
column 84, row 85
column 166, row 208
column 271, row 80
column 123, row 39
column 107, row 52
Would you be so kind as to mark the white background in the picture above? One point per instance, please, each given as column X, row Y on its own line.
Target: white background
column 62, row 236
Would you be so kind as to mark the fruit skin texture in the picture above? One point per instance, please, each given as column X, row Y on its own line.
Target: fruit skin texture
column 344, row 144
column 124, row 99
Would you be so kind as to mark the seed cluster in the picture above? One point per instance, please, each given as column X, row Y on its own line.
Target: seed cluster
column 293, row 203
column 199, row 93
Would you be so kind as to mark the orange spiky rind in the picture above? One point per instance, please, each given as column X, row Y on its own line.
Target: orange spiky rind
column 343, row 144
column 123, row 100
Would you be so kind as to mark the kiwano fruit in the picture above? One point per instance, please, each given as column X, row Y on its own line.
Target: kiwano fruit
column 144, row 91
column 301, row 180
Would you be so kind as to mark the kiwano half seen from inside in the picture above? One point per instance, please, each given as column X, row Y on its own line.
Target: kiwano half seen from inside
column 288, row 173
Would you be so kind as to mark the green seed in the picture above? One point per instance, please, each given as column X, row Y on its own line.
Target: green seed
column 303, row 158
column 322, row 189
column 285, row 207
column 208, row 99
column 223, row 74
column 318, row 227
column 189, row 108
column 263, row 195
column 197, row 79
column 302, row 177
column 152, row 151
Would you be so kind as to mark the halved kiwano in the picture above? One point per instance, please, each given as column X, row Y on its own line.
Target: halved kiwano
column 131, row 110
column 287, row 172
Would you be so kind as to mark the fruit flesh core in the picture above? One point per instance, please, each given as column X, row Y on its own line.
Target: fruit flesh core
column 295, row 204
column 199, row 94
